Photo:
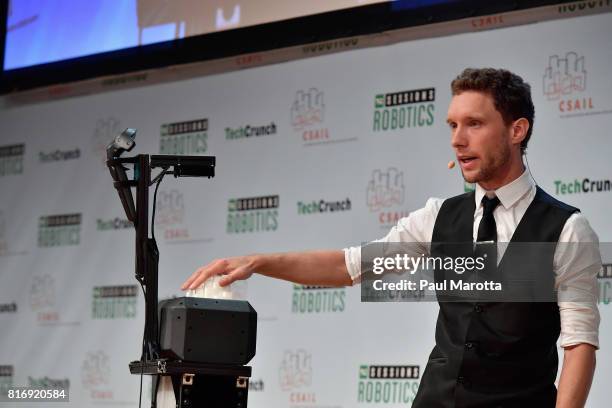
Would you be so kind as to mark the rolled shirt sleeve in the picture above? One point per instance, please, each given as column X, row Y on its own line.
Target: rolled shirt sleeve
column 416, row 227
column 577, row 262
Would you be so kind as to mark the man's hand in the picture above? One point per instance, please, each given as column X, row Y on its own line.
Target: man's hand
column 322, row 268
column 576, row 376
column 237, row 268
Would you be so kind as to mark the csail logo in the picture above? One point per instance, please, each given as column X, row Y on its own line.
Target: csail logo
column 565, row 82
column 42, row 299
column 104, row 131
column 96, row 374
column 170, row 215
column 385, row 194
column 295, row 376
column 307, row 115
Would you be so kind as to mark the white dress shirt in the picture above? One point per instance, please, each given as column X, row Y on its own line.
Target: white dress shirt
column 576, row 270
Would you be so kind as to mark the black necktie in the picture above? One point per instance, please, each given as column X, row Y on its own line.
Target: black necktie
column 487, row 237
column 487, row 230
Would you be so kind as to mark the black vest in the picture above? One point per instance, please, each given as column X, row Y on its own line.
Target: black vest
column 496, row 354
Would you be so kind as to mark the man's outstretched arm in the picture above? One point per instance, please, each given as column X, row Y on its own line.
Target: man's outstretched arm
column 324, row 268
column 576, row 376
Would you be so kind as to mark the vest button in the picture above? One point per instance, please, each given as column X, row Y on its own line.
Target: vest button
column 477, row 308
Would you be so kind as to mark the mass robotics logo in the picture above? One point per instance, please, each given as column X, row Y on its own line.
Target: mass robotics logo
column 59, row 230
column 387, row 384
column 189, row 137
column 404, row 109
column 6, row 378
column 581, row 6
column 253, row 214
column 114, row 302
column 317, row 299
column 11, row 159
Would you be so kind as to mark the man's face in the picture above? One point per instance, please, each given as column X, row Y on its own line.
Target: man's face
column 479, row 136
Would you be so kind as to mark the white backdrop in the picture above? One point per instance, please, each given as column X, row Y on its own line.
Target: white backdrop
column 314, row 345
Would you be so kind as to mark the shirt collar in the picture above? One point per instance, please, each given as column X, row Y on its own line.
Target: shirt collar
column 510, row 193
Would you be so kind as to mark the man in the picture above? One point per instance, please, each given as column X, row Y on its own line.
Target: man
column 487, row 354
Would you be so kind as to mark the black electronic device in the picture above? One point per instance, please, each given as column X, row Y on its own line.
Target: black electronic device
column 190, row 330
column 205, row 343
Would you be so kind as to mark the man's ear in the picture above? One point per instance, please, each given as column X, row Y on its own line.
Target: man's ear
column 518, row 130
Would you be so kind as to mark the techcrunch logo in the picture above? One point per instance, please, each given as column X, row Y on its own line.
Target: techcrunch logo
column 317, row 299
column 253, row 214
column 250, row 131
column 582, row 186
column 189, row 137
column 59, row 230
column 114, row 302
column 405, row 109
column 387, row 384
column 322, row 206
column 8, row 307
column 59, row 155
column 605, row 284
column 11, row 159
column 114, row 224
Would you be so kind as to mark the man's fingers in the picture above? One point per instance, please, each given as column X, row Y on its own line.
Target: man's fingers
column 200, row 276
column 227, row 279
column 215, row 268
column 189, row 280
column 241, row 272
